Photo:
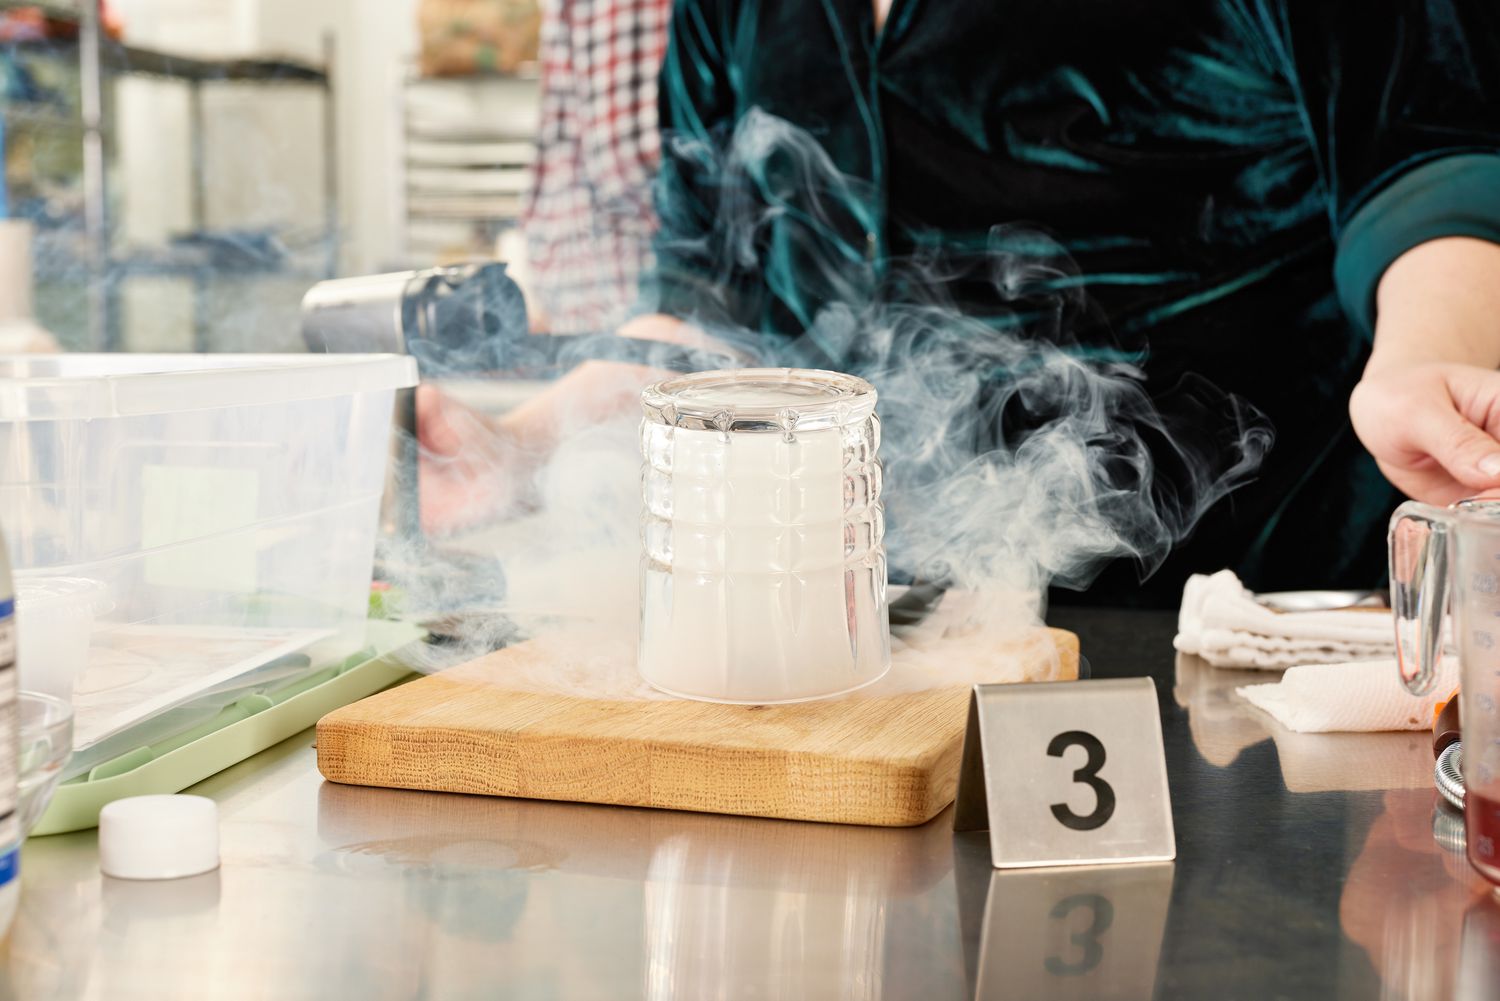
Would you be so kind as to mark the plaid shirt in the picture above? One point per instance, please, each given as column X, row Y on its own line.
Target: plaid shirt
column 589, row 220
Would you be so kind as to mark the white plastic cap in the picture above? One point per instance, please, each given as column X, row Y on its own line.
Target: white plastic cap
column 159, row 837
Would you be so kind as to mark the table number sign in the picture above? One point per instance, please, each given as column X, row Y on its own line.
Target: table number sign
column 1066, row 773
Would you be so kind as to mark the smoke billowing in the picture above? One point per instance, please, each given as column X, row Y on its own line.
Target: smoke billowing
column 1017, row 456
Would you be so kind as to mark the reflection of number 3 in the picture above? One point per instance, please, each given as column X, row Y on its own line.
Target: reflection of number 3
column 1088, row 939
column 1104, row 807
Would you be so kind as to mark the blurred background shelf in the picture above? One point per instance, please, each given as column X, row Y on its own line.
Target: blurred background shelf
column 127, row 59
column 469, row 157
column 51, row 8
column 73, row 67
column 70, row 26
column 36, row 113
column 136, row 136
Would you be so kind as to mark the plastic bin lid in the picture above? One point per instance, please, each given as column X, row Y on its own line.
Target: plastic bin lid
column 91, row 386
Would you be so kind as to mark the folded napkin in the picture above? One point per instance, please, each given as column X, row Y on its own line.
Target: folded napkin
column 1362, row 696
column 1223, row 725
column 1221, row 622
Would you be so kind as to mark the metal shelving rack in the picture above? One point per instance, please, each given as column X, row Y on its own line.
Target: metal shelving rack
column 469, row 149
column 100, row 57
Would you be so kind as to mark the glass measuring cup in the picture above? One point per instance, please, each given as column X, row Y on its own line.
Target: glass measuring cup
column 1448, row 560
column 763, row 573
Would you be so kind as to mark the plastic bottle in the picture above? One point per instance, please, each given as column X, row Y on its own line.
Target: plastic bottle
column 10, row 750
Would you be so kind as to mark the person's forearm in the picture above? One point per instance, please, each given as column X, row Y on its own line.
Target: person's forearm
column 1439, row 302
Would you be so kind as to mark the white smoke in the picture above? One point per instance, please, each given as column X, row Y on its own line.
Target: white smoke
column 1016, row 457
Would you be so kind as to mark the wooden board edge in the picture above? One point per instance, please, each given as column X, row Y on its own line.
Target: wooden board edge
column 338, row 744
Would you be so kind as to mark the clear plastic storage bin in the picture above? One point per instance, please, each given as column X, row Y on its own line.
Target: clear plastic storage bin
column 202, row 519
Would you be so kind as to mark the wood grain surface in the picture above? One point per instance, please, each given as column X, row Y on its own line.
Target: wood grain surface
column 878, row 757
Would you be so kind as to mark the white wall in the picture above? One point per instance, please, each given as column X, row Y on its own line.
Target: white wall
column 378, row 44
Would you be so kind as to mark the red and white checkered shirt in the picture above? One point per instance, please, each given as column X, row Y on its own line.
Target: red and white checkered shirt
column 589, row 219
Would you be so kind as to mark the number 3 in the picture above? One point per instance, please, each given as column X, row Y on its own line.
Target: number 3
column 1088, row 939
column 1104, row 795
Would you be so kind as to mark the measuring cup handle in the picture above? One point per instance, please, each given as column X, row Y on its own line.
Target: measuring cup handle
column 1420, row 555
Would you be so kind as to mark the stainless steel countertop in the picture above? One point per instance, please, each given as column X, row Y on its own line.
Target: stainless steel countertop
column 1306, row 868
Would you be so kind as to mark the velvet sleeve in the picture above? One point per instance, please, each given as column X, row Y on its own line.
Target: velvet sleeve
column 1401, row 99
column 697, row 276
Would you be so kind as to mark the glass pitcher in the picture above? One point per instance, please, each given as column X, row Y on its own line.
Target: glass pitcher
column 1433, row 550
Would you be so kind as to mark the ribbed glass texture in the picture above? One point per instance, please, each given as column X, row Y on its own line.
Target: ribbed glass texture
column 763, row 572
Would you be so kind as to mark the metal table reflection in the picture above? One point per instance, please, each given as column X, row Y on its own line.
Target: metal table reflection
column 1307, row 868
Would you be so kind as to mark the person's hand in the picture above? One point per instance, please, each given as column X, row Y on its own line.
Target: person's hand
column 475, row 469
column 1428, row 407
column 1432, row 428
column 469, row 468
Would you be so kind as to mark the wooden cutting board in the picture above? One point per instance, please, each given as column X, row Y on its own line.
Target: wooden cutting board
column 883, row 756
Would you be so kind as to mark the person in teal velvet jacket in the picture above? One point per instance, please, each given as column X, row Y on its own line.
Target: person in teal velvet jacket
column 1255, row 191
column 1296, row 200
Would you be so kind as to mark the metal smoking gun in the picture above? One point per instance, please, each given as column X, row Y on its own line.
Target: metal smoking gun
column 465, row 319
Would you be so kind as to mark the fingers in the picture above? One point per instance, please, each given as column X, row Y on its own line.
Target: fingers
column 1469, row 454
column 1432, row 429
column 446, row 427
column 432, row 430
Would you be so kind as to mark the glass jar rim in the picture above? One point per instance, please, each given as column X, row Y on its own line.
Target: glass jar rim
column 808, row 400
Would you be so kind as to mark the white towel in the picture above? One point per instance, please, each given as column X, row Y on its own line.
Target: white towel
column 1363, row 696
column 1223, row 725
column 1221, row 622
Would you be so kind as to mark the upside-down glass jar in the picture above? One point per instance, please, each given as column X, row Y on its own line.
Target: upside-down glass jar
column 763, row 577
